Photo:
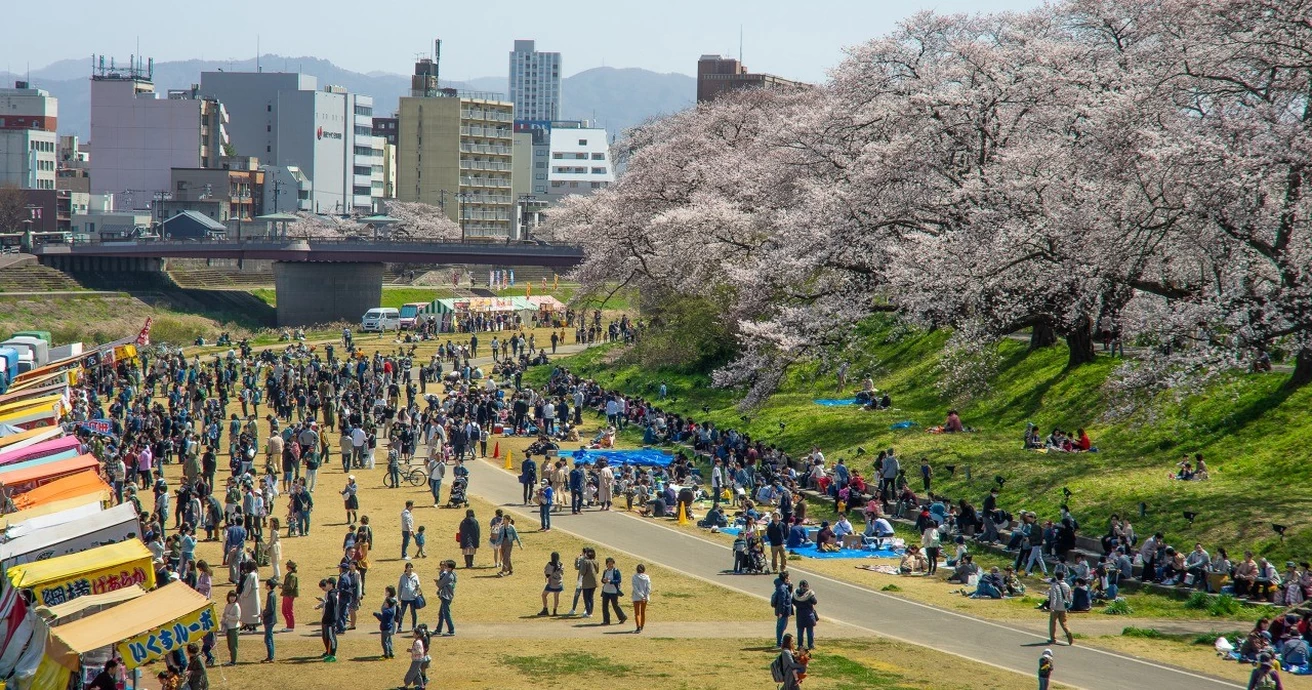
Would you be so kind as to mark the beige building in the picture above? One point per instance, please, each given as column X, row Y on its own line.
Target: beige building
column 455, row 151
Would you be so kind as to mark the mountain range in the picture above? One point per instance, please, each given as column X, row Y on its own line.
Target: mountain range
column 613, row 98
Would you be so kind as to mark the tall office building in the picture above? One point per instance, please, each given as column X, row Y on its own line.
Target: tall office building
column 717, row 74
column 327, row 134
column 28, row 143
column 534, row 82
column 454, row 151
column 138, row 138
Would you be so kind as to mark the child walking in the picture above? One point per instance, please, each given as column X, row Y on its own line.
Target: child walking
column 420, row 538
column 387, row 621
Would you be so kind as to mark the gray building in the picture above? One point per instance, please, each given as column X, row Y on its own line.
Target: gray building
column 534, row 82
column 327, row 134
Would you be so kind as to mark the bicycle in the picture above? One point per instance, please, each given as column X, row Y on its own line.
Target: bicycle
column 416, row 476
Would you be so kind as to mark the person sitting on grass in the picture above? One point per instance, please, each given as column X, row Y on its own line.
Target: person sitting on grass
column 826, row 541
column 1033, row 440
column 843, row 527
column 1258, row 641
column 1081, row 600
column 964, row 569
column 797, row 535
column 1200, row 467
column 714, row 518
column 877, row 530
column 1011, row 585
column 989, row 587
column 952, row 425
column 913, row 562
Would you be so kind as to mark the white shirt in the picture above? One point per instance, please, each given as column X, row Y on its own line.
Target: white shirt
column 407, row 521
column 358, row 437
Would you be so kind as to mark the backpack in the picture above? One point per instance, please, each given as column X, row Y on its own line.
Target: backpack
column 777, row 668
column 774, row 599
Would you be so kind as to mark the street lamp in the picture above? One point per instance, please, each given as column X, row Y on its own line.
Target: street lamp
column 461, row 199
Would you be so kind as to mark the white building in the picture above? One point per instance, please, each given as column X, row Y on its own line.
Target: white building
column 579, row 160
column 327, row 134
column 28, row 143
column 138, row 138
column 534, row 83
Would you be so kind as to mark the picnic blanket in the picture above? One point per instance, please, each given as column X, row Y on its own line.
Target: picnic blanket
column 902, row 425
column 810, row 551
column 882, row 569
column 643, row 457
column 835, row 402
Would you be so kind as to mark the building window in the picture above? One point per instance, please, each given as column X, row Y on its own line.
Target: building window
column 268, row 108
column 540, row 176
column 596, row 185
column 598, row 156
column 573, row 185
column 580, row 156
column 268, row 128
column 540, row 164
column 268, row 149
column 583, row 142
column 598, row 171
column 557, row 156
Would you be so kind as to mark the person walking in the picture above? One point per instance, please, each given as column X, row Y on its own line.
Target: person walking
column 804, row 602
column 546, row 495
column 419, row 660
column 197, row 678
column 1045, row 669
column 554, row 572
column 387, row 621
column 576, row 483
column 509, row 538
column 351, row 499
column 611, row 592
column 408, row 591
column 269, row 617
column 407, row 529
column 230, row 623
column 640, row 589
column 469, row 538
column 931, row 540
column 291, row 589
column 528, row 476
column 328, row 621
column 1059, row 598
column 446, row 592
column 782, row 600
column 588, row 579
column 436, row 470
column 789, row 668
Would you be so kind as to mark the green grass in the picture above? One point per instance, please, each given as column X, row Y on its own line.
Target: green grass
column 846, row 674
column 1146, row 633
column 1252, row 431
column 563, row 663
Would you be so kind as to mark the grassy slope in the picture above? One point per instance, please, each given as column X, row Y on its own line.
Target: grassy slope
column 1250, row 431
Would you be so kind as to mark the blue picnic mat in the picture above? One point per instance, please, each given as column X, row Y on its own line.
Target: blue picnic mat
column 644, row 457
column 812, row 552
column 835, row 402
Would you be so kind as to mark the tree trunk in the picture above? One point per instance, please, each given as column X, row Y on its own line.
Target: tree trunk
column 1302, row 370
column 1080, row 341
column 1042, row 335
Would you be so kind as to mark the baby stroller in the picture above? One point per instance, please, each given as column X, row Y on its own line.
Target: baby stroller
column 458, row 499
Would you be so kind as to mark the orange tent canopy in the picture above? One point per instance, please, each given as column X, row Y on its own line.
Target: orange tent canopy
column 81, row 483
column 52, row 470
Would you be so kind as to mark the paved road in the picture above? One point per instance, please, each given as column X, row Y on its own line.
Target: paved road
column 996, row 644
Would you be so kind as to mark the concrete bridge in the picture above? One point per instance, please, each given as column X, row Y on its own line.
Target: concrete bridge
column 317, row 281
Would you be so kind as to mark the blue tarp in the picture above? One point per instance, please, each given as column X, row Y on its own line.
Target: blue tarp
column 644, row 457
column 812, row 552
column 835, row 402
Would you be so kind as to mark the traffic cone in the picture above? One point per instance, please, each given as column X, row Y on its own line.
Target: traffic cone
column 508, row 462
column 496, row 450
column 683, row 515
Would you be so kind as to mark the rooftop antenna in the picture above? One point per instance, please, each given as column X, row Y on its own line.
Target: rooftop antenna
column 740, row 44
column 257, row 54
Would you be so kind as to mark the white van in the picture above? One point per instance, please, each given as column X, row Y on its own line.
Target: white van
column 381, row 319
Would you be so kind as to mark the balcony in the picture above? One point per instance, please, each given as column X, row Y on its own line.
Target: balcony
column 483, row 165
column 485, row 149
column 485, row 115
column 487, row 132
column 493, row 182
column 488, row 199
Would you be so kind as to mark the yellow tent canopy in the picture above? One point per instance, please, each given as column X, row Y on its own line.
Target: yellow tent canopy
column 95, row 571
column 55, row 614
column 166, row 610
column 34, row 435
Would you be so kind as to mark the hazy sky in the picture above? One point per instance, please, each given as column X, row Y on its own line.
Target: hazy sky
column 799, row 40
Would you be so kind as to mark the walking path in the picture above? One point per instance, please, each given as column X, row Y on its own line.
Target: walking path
column 1004, row 646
